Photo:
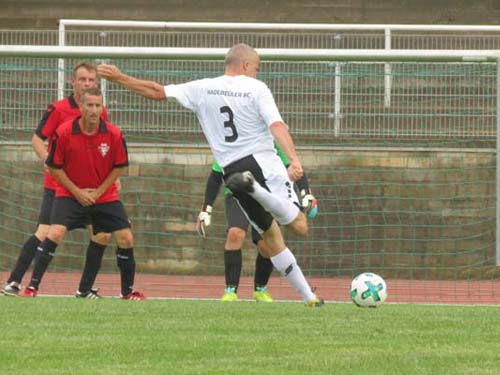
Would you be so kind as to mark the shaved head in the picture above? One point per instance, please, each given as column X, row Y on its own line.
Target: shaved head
column 242, row 59
column 239, row 53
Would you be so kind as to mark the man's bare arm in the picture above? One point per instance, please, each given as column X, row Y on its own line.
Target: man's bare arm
column 39, row 147
column 148, row 89
column 285, row 142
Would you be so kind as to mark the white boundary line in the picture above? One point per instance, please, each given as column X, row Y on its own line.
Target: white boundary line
column 472, row 305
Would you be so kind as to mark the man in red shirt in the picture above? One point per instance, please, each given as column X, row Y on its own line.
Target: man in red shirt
column 84, row 77
column 86, row 156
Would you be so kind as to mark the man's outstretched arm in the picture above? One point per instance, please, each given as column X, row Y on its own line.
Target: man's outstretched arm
column 148, row 89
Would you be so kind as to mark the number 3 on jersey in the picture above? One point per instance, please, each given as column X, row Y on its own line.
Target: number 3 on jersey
column 229, row 124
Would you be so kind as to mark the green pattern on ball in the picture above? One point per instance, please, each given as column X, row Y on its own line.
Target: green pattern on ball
column 372, row 291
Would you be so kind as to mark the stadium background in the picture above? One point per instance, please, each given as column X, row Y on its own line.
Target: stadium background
column 44, row 15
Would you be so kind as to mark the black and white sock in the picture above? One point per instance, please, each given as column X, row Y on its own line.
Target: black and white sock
column 45, row 253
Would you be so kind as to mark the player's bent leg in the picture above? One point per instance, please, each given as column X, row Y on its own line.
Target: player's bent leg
column 261, row 218
column 283, row 210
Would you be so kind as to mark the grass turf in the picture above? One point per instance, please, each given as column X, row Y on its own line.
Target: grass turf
column 70, row 336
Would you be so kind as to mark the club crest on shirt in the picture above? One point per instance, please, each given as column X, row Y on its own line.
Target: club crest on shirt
column 104, row 148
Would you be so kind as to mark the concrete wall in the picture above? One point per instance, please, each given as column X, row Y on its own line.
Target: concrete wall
column 43, row 14
column 413, row 214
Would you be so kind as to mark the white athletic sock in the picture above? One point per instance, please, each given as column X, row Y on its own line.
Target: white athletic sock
column 287, row 265
column 283, row 210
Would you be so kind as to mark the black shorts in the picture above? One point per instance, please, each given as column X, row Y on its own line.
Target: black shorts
column 235, row 217
column 46, row 208
column 48, row 198
column 104, row 217
column 258, row 216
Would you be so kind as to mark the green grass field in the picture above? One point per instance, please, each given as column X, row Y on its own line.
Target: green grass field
column 69, row 336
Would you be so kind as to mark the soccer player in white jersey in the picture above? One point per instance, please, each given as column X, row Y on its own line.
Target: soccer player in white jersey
column 240, row 120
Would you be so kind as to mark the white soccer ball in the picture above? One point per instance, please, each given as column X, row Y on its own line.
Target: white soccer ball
column 368, row 290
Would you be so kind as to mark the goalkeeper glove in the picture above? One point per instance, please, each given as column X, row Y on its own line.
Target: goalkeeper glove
column 309, row 204
column 203, row 221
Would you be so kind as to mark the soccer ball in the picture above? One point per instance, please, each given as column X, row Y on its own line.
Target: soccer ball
column 368, row 290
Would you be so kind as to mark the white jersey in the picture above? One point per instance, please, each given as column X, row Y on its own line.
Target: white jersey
column 235, row 113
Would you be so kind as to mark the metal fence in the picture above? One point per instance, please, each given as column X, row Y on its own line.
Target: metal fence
column 320, row 99
column 222, row 35
column 325, row 101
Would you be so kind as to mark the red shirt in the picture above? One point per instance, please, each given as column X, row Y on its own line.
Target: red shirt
column 88, row 159
column 55, row 114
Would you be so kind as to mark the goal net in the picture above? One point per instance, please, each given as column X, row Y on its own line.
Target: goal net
column 406, row 185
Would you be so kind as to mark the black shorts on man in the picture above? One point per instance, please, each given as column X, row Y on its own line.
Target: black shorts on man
column 235, row 217
column 49, row 195
column 105, row 217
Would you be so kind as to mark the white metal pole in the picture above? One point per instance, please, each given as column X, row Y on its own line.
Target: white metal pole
column 103, row 83
column 60, row 63
column 387, row 72
column 338, row 97
column 276, row 26
column 104, row 90
column 266, row 54
column 497, row 237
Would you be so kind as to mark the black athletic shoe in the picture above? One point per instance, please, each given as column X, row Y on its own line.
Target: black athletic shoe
column 241, row 182
column 91, row 294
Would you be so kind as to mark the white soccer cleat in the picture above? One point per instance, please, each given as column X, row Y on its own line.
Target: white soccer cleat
column 11, row 289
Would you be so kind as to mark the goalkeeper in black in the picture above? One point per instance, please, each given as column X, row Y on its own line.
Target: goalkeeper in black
column 237, row 227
